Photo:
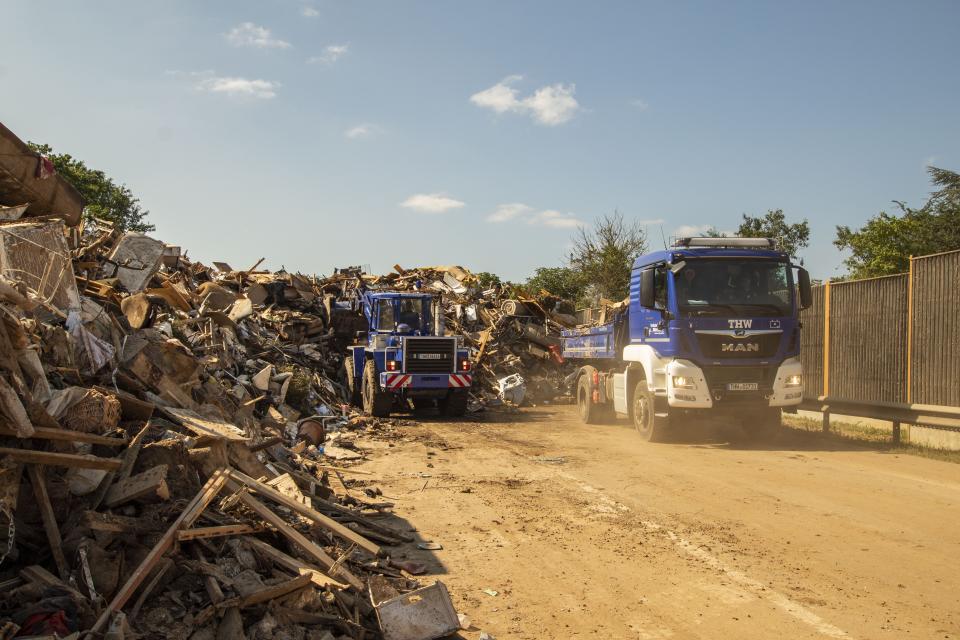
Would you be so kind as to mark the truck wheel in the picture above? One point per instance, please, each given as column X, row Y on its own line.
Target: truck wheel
column 353, row 389
column 590, row 412
column 650, row 424
column 376, row 401
column 455, row 404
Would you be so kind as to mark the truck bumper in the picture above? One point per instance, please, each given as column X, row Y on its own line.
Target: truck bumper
column 399, row 381
column 695, row 394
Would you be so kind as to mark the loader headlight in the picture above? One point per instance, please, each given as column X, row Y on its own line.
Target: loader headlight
column 683, row 382
column 795, row 380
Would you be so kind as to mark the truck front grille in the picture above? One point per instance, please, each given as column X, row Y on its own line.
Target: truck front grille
column 718, row 377
column 730, row 346
column 429, row 355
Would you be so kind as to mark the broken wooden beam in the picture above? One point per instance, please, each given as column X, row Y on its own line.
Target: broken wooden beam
column 39, row 482
column 329, row 523
column 151, row 485
column 267, row 593
column 75, row 460
column 67, row 435
column 294, row 536
column 218, row 531
column 292, row 564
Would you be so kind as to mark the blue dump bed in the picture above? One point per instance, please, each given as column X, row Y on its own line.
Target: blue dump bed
column 590, row 342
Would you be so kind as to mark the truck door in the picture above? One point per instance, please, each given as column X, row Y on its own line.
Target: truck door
column 651, row 326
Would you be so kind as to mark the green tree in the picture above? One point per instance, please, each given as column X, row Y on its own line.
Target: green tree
column 562, row 282
column 105, row 199
column 487, row 279
column 791, row 237
column 603, row 256
column 883, row 245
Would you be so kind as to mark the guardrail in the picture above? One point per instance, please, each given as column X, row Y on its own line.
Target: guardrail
column 926, row 415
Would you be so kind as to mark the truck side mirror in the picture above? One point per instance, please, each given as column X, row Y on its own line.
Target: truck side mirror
column 648, row 288
column 806, row 294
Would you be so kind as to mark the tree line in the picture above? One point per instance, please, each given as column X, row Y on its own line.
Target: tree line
column 598, row 266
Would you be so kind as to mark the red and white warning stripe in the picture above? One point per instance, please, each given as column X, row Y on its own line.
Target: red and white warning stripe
column 397, row 380
column 460, row 380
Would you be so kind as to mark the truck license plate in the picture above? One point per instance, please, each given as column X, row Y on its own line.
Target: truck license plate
column 743, row 386
column 431, row 356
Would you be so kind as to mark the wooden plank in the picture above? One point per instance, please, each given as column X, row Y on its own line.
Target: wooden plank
column 211, row 584
column 308, row 546
column 267, row 593
column 292, row 564
column 76, row 460
column 205, row 426
column 215, row 532
column 128, row 458
column 189, row 515
column 67, row 435
column 39, row 482
column 308, row 512
column 151, row 485
column 112, row 523
column 39, row 575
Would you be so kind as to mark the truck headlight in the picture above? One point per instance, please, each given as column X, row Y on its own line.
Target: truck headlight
column 796, row 380
column 683, row 382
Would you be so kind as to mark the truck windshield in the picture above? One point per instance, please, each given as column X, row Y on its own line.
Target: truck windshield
column 733, row 287
column 411, row 313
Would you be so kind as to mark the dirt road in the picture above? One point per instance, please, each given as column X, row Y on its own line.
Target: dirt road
column 586, row 531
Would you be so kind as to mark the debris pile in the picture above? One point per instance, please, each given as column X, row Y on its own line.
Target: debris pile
column 162, row 463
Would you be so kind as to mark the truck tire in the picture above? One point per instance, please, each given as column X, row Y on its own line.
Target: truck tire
column 349, row 381
column 652, row 425
column 590, row 411
column 455, row 404
column 376, row 402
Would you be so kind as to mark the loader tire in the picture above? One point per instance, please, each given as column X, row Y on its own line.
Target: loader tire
column 455, row 404
column 350, row 382
column 376, row 401
column 651, row 424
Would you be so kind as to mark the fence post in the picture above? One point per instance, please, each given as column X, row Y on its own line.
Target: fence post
column 826, row 351
column 910, row 332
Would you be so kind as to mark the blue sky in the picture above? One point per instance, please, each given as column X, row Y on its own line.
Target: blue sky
column 322, row 133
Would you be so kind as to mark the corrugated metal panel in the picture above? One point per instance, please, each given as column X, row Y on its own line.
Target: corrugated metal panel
column 868, row 330
column 811, row 345
column 935, row 355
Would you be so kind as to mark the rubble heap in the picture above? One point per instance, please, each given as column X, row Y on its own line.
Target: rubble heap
column 162, row 467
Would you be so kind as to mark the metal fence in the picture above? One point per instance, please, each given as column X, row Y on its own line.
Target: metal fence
column 892, row 340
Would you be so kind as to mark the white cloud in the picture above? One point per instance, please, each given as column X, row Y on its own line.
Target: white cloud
column 547, row 218
column 330, row 54
column 248, row 34
column 431, row 203
column 556, row 220
column 309, row 12
column 550, row 105
column 640, row 104
column 363, row 130
column 653, row 221
column 509, row 211
column 930, row 162
column 694, row 231
column 236, row 87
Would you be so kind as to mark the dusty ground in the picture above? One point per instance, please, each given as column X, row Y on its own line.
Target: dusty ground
column 588, row 532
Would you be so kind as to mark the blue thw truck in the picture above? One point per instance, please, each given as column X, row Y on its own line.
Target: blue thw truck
column 711, row 329
column 405, row 356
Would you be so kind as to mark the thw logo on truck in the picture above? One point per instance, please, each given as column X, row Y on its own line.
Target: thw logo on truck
column 740, row 324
